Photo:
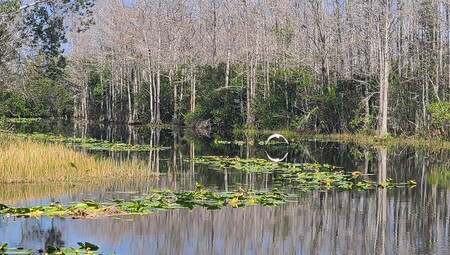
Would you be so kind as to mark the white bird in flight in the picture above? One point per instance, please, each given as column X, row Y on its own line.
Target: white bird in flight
column 277, row 136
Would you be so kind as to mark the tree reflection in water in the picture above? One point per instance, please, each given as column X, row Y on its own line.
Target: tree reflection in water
column 382, row 221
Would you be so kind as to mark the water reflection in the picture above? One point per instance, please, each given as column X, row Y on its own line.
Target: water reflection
column 396, row 221
column 320, row 223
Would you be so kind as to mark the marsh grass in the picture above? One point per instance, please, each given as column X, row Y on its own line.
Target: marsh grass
column 370, row 140
column 155, row 200
column 28, row 161
column 435, row 143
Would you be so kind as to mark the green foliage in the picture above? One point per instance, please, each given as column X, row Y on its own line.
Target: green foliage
column 337, row 106
column 97, row 92
column 91, row 143
column 156, row 200
column 192, row 117
column 404, row 106
column 226, row 108
column 85, row 248
column 47, row 33
column 13, row 105
column 270, row 112
column 439, row 118
column 304, row 176
column 48, row 98
column 39, row 90
column 9, row 6
column 42, row 98
column 287, row 100
column 222, row 105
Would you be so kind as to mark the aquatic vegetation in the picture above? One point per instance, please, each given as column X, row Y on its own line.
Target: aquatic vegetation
column 431, row 144
column 281, row 140
column 235, row 142
column 84, row 248
column 246, row 165
column 31, row 161
column 91, row 143
column 304, row 176
column 22, row 120
column 156, row 200
column 272, row 142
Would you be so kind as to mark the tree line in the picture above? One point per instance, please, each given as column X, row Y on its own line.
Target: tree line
column 312, row 65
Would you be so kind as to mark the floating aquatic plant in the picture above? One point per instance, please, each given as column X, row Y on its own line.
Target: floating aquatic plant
column 91, row 143
column 156, row 200
column 84, row 248
column 304, row 176
column 235, row 142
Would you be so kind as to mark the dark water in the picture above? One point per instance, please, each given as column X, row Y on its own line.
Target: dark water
column 394, row 221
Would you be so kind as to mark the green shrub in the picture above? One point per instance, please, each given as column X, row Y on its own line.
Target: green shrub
column 439, row 114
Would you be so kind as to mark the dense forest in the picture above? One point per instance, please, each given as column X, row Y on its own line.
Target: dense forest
column 376, row 66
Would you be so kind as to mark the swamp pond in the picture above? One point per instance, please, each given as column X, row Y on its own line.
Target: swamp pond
column 400, row 220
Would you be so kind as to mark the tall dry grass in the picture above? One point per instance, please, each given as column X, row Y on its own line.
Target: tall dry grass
column 28, row 161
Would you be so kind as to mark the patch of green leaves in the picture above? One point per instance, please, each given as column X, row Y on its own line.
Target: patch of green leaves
column 156, row 200
column 235, row 142
column 85, row 248
column 91, row 143
column 303, row 176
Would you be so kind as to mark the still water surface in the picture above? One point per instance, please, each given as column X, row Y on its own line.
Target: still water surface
column 395, row 221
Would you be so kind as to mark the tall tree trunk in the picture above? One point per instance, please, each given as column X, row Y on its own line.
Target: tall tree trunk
column 175, row 96
column 227, row 69
column 385, row 66
column 86, row 102
column 267, row 74
column 250, row 120
column 151, row 84
column 130, row 103
column 193, row 90
column 158, row 81
column 157, row 96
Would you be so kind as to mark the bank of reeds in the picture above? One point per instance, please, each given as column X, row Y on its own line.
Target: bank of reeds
column 28, row 161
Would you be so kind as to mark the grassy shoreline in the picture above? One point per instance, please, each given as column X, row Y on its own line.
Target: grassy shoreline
column 373, row 140
column 29, row 161
column 356, row 138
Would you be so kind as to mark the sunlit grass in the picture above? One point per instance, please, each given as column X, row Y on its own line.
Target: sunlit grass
column 28, row 161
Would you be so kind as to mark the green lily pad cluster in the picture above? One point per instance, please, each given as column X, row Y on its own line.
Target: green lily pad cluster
column 235, row 142
column 91, row 143
column 156, row 200
column 304, row 176
column 211, row 200
column 251, row 142
column 84, row 248
column 253, row 165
